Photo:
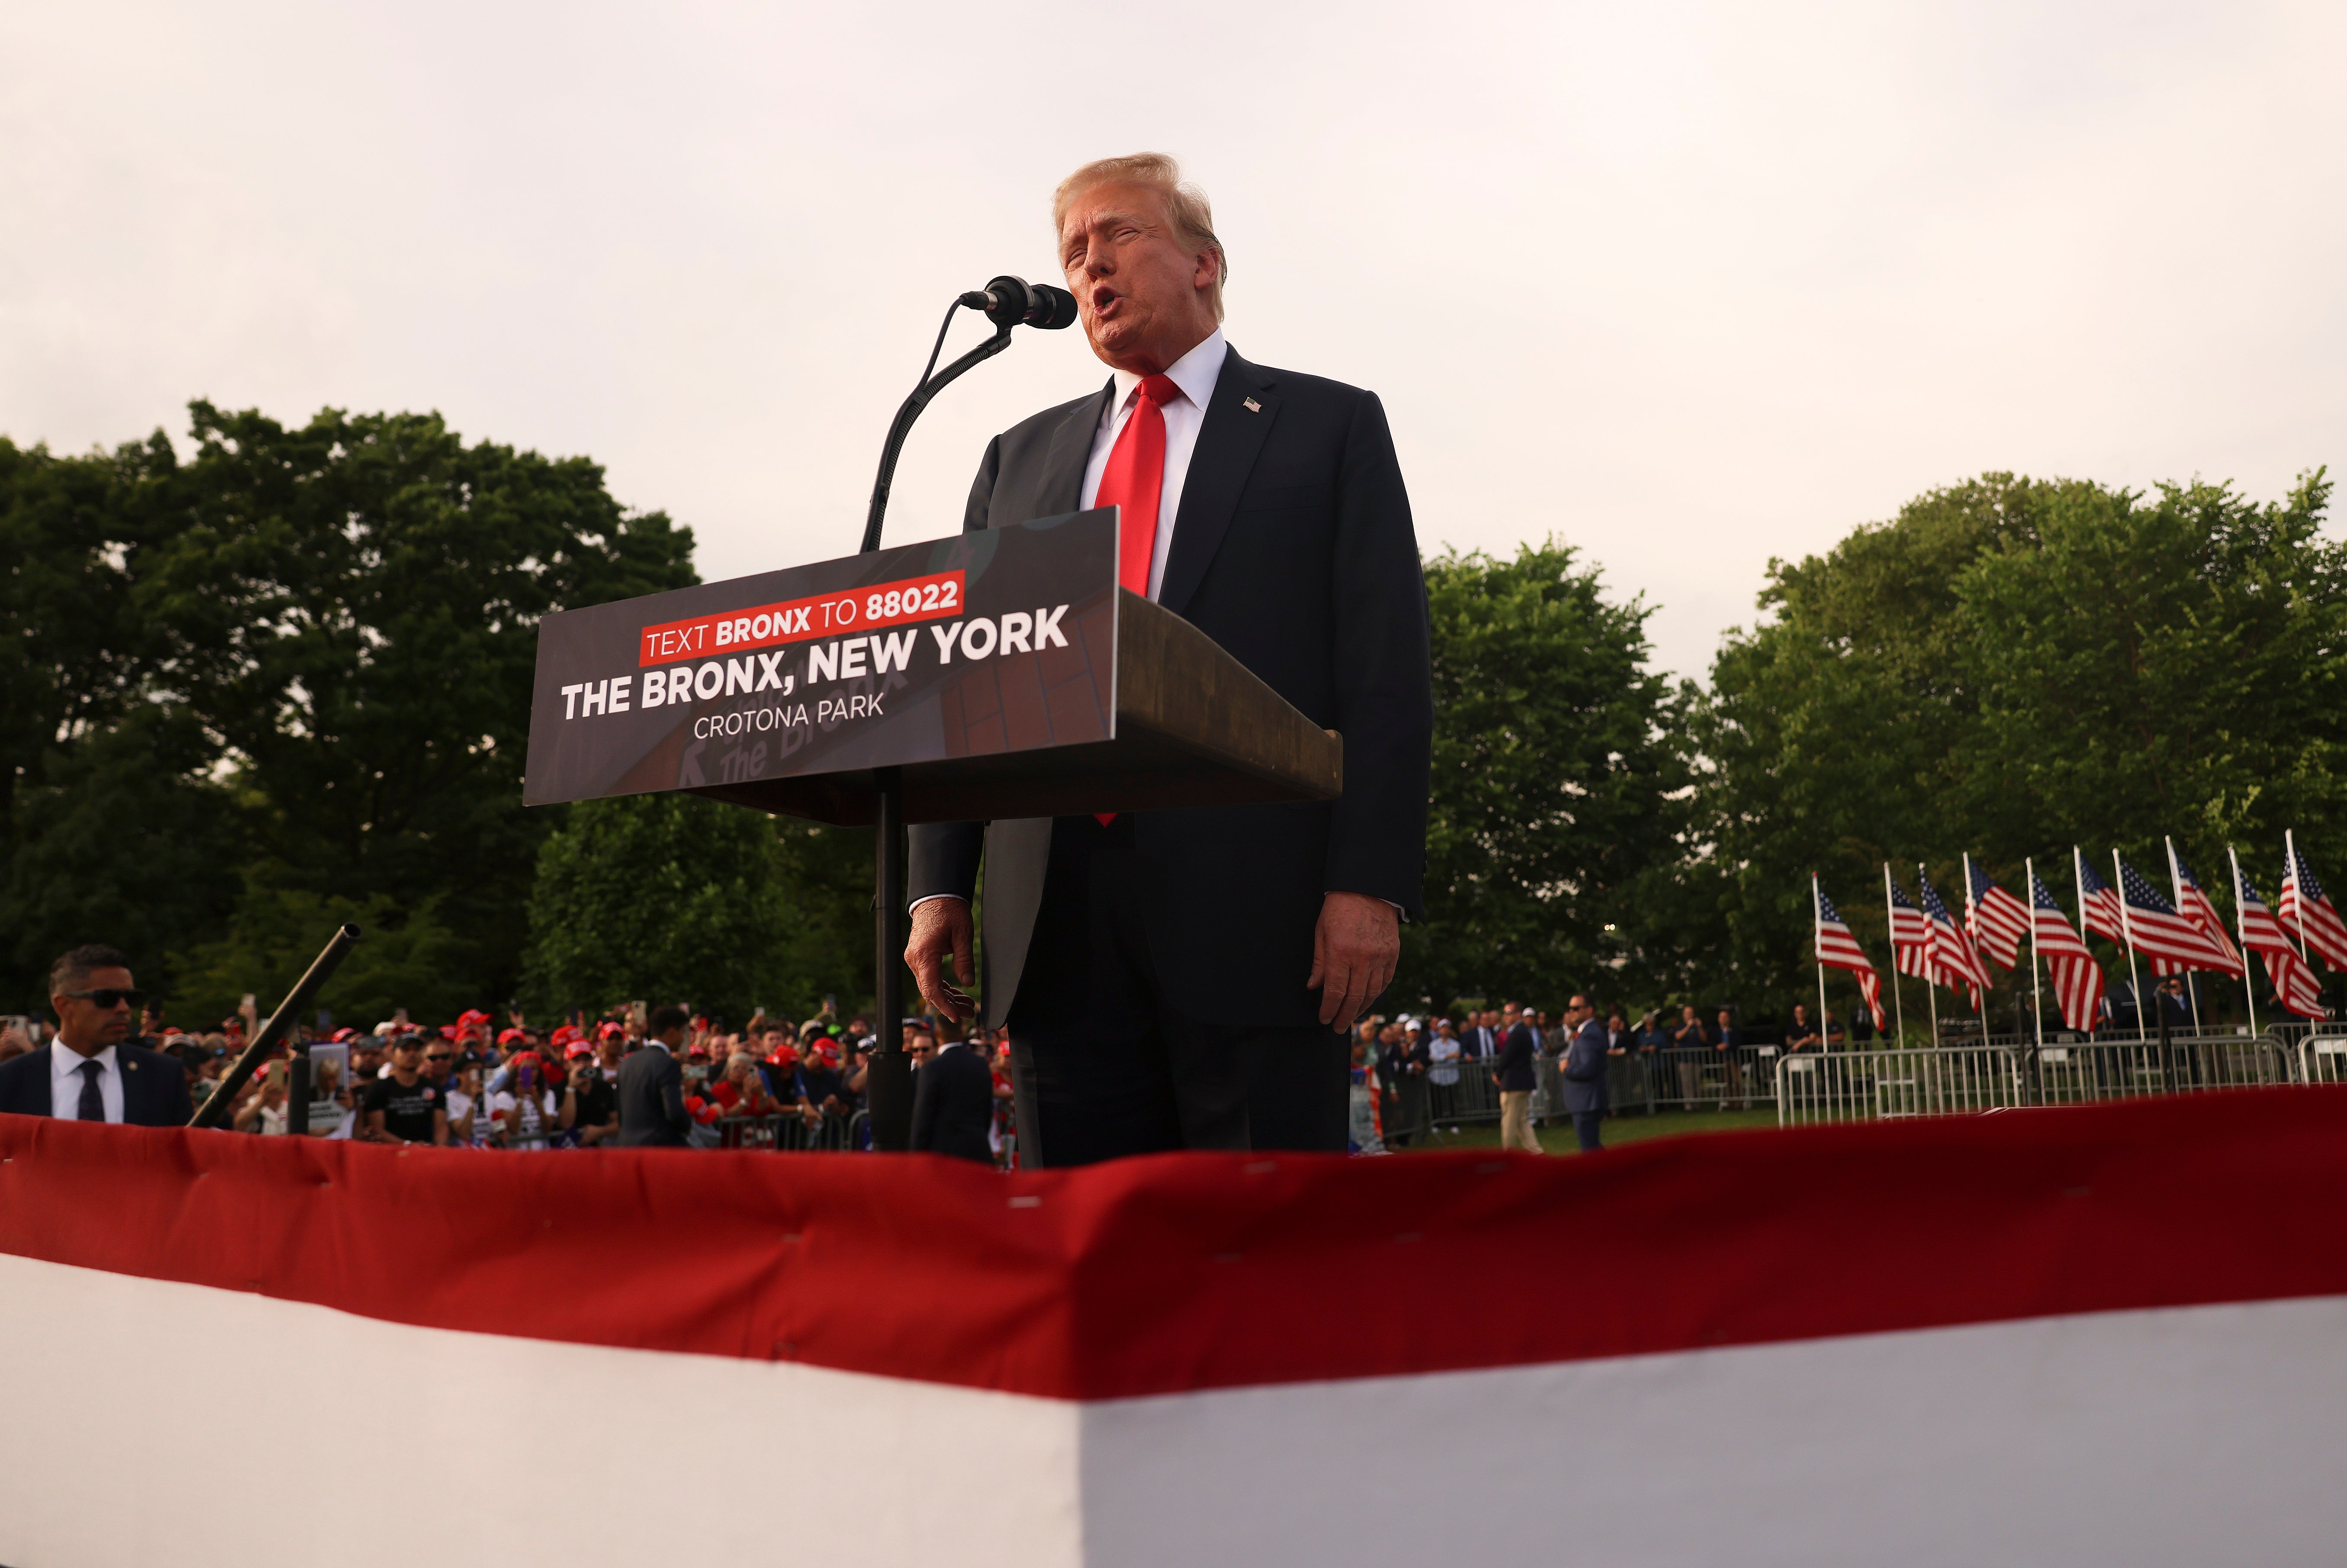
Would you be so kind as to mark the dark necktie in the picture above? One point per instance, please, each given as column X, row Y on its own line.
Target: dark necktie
column 93, row 1103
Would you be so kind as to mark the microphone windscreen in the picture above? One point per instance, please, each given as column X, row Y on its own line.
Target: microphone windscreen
column 1058, row 308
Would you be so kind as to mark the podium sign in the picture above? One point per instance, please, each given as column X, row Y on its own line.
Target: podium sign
column 983, row 643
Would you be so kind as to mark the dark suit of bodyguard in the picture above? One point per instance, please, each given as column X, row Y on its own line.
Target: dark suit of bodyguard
column 1153, row 970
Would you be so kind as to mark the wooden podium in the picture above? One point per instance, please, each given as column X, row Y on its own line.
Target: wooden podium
column 995, row 674
column 1192, row 727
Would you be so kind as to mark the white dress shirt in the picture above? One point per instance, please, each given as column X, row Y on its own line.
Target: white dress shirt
column 65, row 1082
column 1196, row 374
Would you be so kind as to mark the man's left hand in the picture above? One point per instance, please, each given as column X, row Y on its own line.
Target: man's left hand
column 1355, row 947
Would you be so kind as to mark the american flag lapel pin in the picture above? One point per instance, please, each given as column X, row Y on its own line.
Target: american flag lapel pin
column 1251, row 405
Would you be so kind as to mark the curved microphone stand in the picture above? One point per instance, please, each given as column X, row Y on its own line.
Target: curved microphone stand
column 1008, row 302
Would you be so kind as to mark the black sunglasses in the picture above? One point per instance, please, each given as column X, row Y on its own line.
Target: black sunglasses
column 108, row 998
column 438, row 1056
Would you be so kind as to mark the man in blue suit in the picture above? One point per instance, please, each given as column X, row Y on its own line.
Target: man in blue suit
column 1583, row 1071
column 91, row 1072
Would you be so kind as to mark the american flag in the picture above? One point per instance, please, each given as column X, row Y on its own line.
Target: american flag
column 2077, row 978
column 2194, row 906
column 2306, row 911
column 1910, row 934
column 1952, row 956
column 1997, row 920
column 2173, row 943
column 1839, row 948
column 2294, row 984
column 2101, row 904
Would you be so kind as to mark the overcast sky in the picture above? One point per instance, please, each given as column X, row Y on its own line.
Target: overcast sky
column 1689, row 286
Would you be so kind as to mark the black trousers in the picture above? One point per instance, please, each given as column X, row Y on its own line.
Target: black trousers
column 1104, row 1063
column 1584, row 1130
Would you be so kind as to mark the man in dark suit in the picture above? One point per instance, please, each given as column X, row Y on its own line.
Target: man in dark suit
column 92, row 1072
column 651, row 1087
column 1583, row 1071
column 953, row 1104
column 1185, row 979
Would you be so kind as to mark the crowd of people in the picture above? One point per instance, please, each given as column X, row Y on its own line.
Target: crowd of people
column 1413, row 1074
column 476, row 1083
column 775, row 1082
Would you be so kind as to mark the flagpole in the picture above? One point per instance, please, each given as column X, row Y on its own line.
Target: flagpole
column 2078, row 881
column 2289, row 850
column 1898, row 1008
column 2037, row 996
column 2176, row 891
column 1818, row 946
column 1931, row 988
column 2241, row 928
column 2127, row 929
column 1980, row 996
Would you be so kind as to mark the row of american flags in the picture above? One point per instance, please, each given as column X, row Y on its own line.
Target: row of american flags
column 2179, row 933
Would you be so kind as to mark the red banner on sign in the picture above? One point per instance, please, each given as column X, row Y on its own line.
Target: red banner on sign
column 936, row 597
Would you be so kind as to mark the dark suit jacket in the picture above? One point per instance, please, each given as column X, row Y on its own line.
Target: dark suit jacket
column 953, row 1106
column 651, row 1099
column 1515, row 1063
column 154, row 1086
column 1584, row 1070
column 1293, row 551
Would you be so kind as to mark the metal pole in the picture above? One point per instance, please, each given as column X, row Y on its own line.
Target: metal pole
column 2289, row 869
column 214, row 1110
column 890, row 1084
column 1931, row 988
column 2176, row 891
column 2127, row 929
column 2241, row 926
column 2036, row 996
column 2078, row 882
column 1898, row 1006
column 1979, row 958
column 1818, row 947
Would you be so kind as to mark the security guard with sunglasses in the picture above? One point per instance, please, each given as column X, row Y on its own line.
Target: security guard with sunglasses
column 91, row 1072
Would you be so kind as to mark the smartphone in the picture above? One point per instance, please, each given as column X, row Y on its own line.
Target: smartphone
column 248, row 1001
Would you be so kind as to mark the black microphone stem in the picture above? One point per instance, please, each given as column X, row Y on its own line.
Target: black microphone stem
column 902, row 426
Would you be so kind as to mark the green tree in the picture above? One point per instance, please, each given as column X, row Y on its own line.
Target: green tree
column 352, row 609
column 2007, row 668
column 1557, row 778
column 101, row 802
column 404, row 957
column 658, row 898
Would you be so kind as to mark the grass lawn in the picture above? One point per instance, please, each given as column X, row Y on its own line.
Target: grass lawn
column 1632, row 1128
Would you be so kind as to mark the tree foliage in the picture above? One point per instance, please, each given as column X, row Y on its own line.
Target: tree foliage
column 302, row 652
column 1555, row 769
column 2007, row 668
column 672, row 899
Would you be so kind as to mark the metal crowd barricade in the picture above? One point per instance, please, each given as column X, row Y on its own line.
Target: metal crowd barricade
column 2322, row 1057
column 1954, row 1081
column 791, row 1134
column 1474, row 1098
column 1705, row 1077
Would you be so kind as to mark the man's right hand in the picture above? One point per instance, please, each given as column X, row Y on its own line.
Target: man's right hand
column 941, row 927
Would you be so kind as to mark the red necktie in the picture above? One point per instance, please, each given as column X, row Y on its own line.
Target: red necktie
column 1134, row 482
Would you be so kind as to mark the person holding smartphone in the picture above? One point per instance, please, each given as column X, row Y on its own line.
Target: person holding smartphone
column 525, row 1113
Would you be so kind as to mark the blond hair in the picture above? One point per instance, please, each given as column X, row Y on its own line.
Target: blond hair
column 1193, row 215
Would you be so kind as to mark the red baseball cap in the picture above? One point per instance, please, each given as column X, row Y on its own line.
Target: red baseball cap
column 507, row 1037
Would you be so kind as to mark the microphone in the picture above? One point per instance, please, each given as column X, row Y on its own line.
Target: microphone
column 1011, row 302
